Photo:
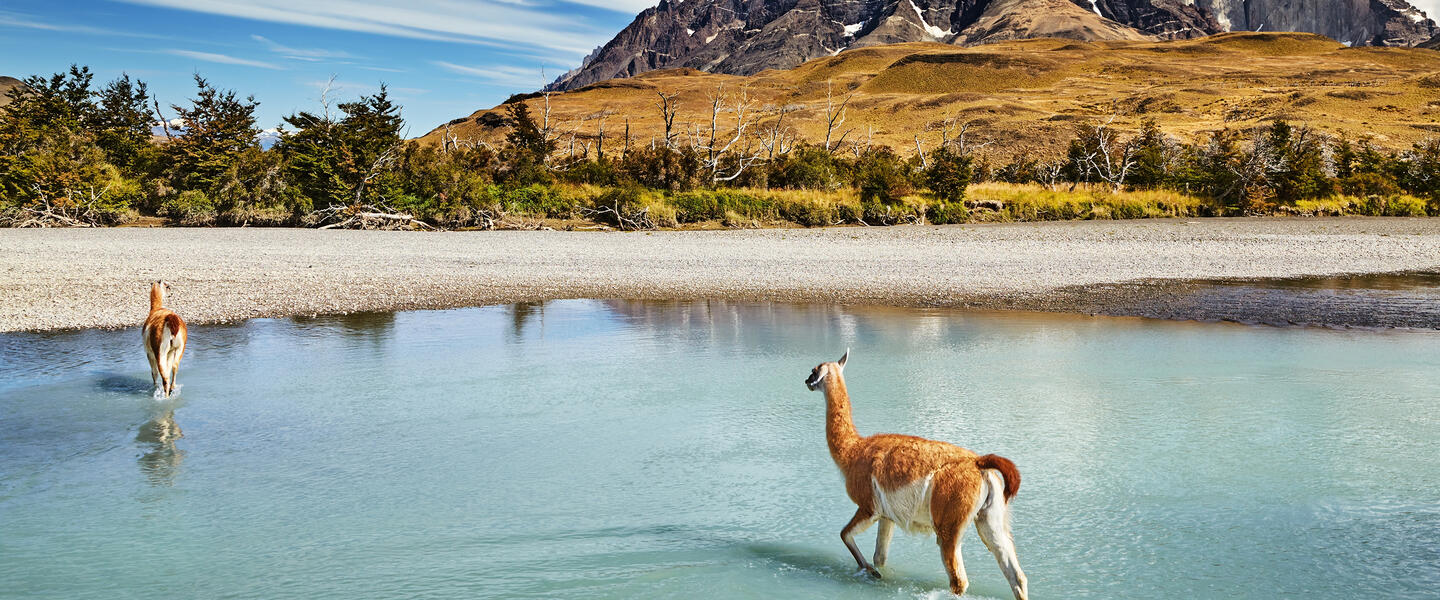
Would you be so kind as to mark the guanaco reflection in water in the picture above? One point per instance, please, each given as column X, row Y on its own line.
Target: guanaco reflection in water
column 162, row 461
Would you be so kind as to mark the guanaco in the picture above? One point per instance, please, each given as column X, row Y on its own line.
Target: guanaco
column 164, row 337
column 920, row 485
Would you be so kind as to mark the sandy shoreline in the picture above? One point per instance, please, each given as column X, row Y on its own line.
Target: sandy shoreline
column 55, row 279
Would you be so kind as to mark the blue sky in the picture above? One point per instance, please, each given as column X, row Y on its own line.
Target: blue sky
column 441, row 58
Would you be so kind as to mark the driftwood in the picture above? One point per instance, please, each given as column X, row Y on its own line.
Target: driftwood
column 367, row 216
column 44, row 215
column 24, row 218
column 497, row 219
column 626, row 220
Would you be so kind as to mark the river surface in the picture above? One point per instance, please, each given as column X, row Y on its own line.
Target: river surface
column 588, row 449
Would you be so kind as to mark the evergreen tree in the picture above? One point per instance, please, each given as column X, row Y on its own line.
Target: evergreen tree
column 1153, row 154
column 1294, row 163
column 334, row 161
column 49, row 161
column 215, row 129
column 949, row 174
column 525, row 135
column 122, row 123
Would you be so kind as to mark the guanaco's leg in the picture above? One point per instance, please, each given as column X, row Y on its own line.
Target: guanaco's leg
column 882, row 541
column 175, row 367
column 993, row 524
column 154, row 360
column 862, row 521
column 949, row 540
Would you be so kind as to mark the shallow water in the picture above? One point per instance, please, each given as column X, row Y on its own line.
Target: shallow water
column 619, row 450
column 1394, row 300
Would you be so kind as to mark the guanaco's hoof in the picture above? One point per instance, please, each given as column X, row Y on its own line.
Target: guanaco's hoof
column 873, row 572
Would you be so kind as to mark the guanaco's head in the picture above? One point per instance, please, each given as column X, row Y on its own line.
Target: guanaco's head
column 829, row 369
column 157, row 292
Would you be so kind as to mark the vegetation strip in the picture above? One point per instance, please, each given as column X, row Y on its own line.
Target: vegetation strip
column 75, row 155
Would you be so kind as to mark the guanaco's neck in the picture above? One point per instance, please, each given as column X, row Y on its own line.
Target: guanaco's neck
column 157, row 298
column 839, row 426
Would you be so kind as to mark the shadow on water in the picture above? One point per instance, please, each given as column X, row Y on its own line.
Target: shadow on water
column 802, row 558
column 161, row 461
column 900, row 580
column 116, row 383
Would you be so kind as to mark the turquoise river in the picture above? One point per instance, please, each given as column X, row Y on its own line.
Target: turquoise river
column 590, row 449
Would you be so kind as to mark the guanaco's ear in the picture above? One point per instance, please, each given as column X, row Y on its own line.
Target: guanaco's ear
column 843, row 359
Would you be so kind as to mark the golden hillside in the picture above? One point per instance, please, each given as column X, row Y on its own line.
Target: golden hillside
column 1026, row 96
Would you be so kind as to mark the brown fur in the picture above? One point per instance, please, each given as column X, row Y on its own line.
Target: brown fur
column 160, row 320
column 1007, row 470
column 895, row 461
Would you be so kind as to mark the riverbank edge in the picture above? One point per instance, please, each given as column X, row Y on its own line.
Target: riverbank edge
column 1146, row 299
column 96, row 279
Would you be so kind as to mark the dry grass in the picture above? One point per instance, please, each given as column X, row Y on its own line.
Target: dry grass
column 1031, row 202
column 985, row 202
column 1374, row 206
column 1025, row 95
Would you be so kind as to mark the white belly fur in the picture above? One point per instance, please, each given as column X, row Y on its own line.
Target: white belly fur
column 908, row 506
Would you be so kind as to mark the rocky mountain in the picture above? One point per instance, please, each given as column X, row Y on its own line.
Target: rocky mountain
column 1433, row 44
column 1352, row 22
column 7, row 84
column 744, row 37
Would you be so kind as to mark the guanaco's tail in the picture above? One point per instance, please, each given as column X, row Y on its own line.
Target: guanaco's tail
column 173, row 323
column 1007, row 470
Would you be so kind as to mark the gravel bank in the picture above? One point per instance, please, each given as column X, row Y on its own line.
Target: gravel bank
column 53, row 279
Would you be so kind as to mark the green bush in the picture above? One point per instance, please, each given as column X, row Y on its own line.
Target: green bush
column 807, row 168
column 948, row 175
column 190, row 207
column 948, row 213
column 882, row 177
column 810, row 214
column 1370, row 184
column 717, row 205
column 534, row 201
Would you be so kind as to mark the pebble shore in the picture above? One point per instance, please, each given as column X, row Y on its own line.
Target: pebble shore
column 98, row 278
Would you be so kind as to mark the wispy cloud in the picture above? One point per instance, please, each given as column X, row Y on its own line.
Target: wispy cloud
column 10, row 19
column 223, row 59
column 339, row 87
column 489, row 22
column 502, row 74
column 307, row 54
column 622, row 6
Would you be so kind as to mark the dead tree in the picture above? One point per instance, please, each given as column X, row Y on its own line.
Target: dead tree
column 835, row 117
column 626, row 152
column 1106, row 155
column 777, row 140
column 1050, row 172
column 718, row 148
column 860, row 147
column 599, row 119
column 669, row 104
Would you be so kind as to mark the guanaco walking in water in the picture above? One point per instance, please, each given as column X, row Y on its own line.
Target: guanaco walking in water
column 921, row 485
column 164, row 336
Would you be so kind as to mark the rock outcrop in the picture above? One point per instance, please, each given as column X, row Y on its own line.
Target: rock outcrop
column 1353, row 22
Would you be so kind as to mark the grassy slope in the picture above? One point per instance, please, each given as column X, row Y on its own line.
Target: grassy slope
column 1025, row 96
